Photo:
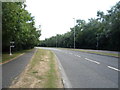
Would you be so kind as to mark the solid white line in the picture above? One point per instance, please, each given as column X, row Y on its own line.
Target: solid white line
column 67, row 83
column 60, row 68
column 92, row 61
column 64, row 81
column 113, row 68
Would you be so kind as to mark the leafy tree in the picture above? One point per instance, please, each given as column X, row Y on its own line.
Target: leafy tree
column 18, row 26
column 100, row 33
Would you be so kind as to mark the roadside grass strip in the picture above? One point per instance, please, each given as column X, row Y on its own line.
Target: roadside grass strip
column 101, row 53
column 41, row 72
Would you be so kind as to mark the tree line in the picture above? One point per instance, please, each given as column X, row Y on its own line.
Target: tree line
column 18, row 26
column 102, row 32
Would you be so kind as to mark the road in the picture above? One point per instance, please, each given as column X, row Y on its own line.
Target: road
column 85, row 70
column 79, row 69
column 13, row 68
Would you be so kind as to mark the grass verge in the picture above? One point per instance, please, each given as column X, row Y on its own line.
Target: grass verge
column 41, row 72
column 51, row 74
column 101, row 53
column 95, row 52
column 6, row 57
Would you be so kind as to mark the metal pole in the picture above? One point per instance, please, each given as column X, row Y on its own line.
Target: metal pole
column 56, row 41
column 10, row 51
column 97, row 42
column 11, row 47
column 74, row 33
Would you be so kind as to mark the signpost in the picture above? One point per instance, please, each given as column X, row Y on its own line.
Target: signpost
column 11, row 46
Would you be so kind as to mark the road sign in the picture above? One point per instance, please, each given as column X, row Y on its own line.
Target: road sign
column 12, row 42
column 11, row 46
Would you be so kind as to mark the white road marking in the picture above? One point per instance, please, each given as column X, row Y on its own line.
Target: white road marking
column 70, row 53
column 60, row 68
column 77, row 56
column 113, row 68
column 63, row 81
column 66, row 82
column 92, row 61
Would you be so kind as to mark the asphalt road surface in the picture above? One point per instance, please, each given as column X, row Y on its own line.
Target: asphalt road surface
column 85, row 70
column 81, row 70
column 13, row 68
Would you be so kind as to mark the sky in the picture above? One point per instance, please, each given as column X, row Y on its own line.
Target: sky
column 56, row 16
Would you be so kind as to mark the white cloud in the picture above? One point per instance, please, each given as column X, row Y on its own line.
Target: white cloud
column 56, row 16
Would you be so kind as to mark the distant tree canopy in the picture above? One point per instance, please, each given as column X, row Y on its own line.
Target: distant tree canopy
column 100, row 33
column 18, row 26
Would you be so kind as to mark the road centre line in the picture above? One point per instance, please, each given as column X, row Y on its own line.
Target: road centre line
column 70, row 53
column 113, row 68
column 77, row 55
column 92, row 61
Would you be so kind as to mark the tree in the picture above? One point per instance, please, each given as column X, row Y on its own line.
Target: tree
column 18, row 26
column 100, row 33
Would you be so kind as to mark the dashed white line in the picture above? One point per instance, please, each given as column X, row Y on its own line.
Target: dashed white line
column 70, row 53
column 113, row 68
column 77, row 56
column 92, row 61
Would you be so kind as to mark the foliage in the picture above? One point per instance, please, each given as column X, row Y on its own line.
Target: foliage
column 100, row 33
column 18, row 26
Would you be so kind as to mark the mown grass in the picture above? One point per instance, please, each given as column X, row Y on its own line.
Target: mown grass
column 95, row 52
column 50, row 77
column 51, row 74
column 37, row 57
column 6, row 56
column 101, row 53
column 41, row 72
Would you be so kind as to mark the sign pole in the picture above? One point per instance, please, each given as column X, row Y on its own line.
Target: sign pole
column 10, row 51
column 11, row 47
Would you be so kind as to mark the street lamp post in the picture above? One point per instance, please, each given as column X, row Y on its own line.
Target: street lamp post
column 39, row 26
column 97, row 42
column 74, row 33
column 56, row 40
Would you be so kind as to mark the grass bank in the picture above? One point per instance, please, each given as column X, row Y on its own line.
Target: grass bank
column 41, row 72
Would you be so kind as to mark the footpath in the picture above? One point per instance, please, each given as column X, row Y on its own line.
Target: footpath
column 13, row 68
